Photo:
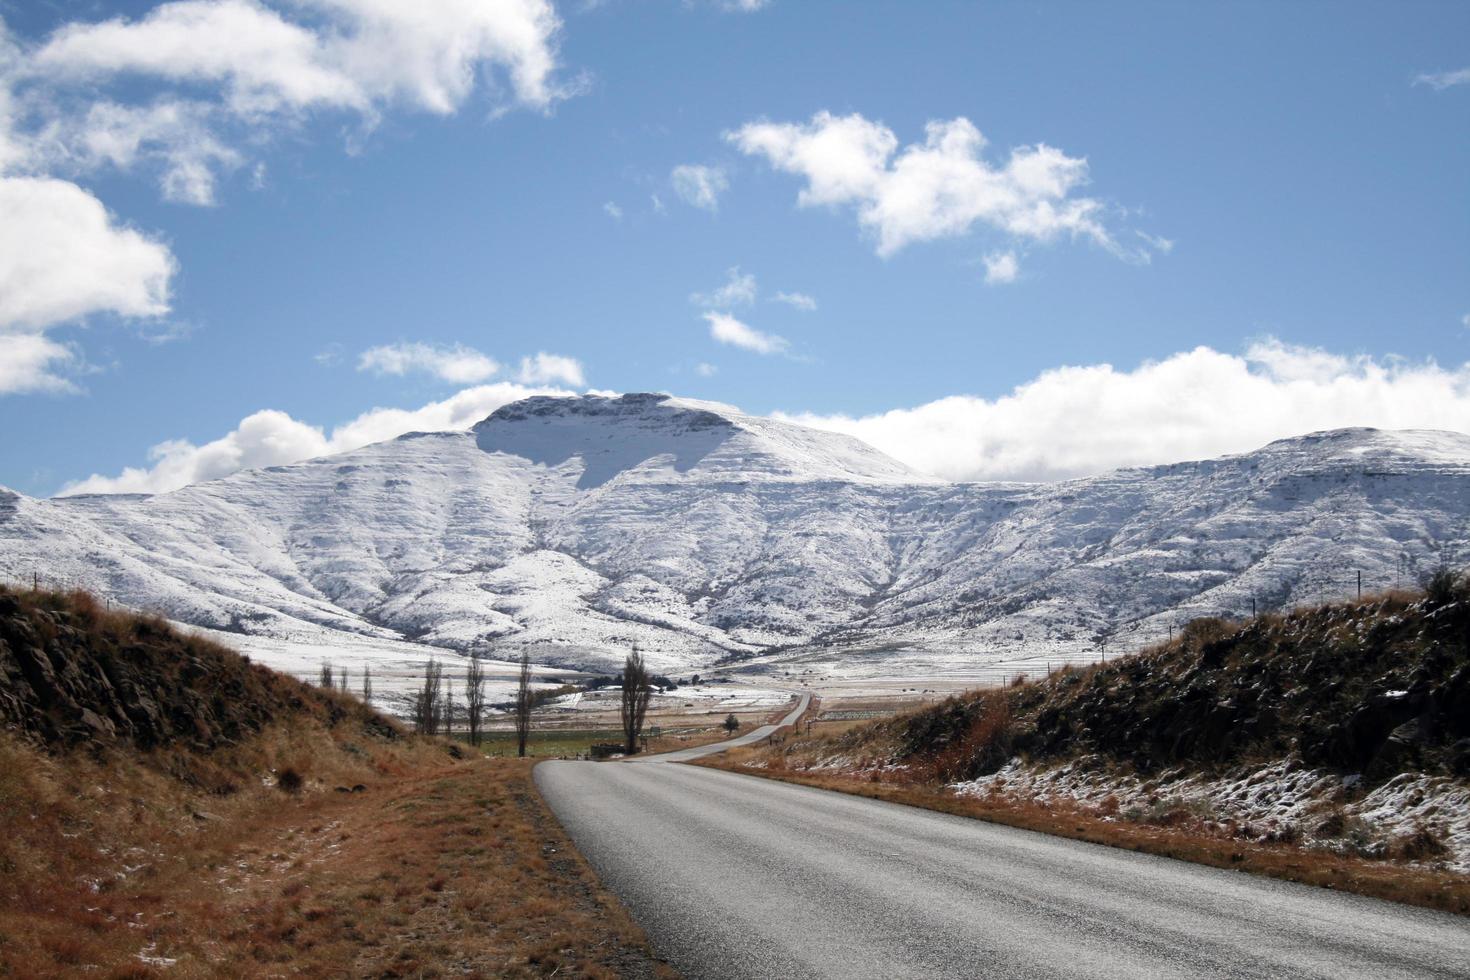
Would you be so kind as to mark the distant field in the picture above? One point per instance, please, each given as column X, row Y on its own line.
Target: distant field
column 556, row 743
column 553, row 744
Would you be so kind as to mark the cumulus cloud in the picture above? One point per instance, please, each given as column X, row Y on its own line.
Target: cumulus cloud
column 544, row 368
column 698, row 185
column 799, row 301
column 179, row 91
column 738, row 289
column 63, row 257
column 611, row 209
column 940, row 188
column 213, row 73
column 1001, row 267
column 455, row 364
column 33, row 362
column 342, row 54
column 1441, row 80
column 1076, row 421
column 727, row 330
column 274, row 438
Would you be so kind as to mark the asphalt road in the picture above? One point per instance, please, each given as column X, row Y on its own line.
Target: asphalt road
column 736, row 876
column 700, row 751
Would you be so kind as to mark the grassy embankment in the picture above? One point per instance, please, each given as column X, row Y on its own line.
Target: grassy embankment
column 252, row 825
column 1355, row 698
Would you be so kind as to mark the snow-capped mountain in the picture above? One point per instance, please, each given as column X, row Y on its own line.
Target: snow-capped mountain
column 576, row 527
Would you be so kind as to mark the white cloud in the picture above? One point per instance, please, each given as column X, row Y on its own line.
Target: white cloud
column 699, row 186
column 213, row 74
column 173, row 135
column 62, row 256
column 738, row 289
column 1441, row 80
column 273, row 438
column 455, row 364
column 743, row 6
column 177, row 90
column 32, row 362
column 800, row 301
column 939, row 188
column 546, row 368
column 1001, row 267
column 1076, row 421
column 705, row 369
column 342, row 54
column 1465, row 321
column 727, row 330
column 613, row 211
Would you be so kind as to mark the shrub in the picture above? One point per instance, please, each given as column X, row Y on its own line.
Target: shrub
column 1422, row 844
column 290, row 780
column 984, row 746
column 1445, row 586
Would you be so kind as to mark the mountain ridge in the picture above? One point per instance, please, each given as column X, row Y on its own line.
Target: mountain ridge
column 573, row 528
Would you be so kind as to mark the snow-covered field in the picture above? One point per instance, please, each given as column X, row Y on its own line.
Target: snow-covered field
column 576, row 528
column 397, row 667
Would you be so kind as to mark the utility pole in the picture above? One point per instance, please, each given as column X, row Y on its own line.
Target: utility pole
column 1253, row 607
column 1360, row 583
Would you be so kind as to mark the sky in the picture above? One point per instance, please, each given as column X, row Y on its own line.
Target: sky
column 1000, row 241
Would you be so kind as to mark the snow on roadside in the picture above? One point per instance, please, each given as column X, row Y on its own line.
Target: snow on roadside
column 1283, row 800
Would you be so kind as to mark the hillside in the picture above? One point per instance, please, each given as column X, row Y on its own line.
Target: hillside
column 573, row 528
column 169, row 809
column 1340, row 731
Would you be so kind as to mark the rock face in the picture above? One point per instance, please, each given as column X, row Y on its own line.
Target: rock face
column 71, row 673
column 573, row 528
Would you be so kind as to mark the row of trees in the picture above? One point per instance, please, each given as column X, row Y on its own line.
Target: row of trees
column 337, row 680
column 433, row 708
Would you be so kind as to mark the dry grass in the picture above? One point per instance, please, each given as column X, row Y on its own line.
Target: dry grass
column 266, row 828
column 1167, row 836
column 115, row 868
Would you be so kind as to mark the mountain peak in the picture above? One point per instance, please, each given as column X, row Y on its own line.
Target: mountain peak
column 640, row 406
column 649, row 434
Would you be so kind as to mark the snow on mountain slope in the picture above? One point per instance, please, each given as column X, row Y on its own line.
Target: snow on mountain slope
column 575, row 527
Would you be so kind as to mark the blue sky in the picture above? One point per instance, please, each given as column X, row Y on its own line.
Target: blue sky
column 1269, row 228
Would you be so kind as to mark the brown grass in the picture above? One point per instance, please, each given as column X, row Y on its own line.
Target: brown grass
column 114, row 864
column 1168, row 836
column 110, row 867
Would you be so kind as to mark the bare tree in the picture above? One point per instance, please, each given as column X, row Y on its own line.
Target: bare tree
column 524, row 704
column 325, row 678
column 342, row 680
column 367, row 686
column 474, row 698
column 636, row 692
column 426, row 706
column 446, row 708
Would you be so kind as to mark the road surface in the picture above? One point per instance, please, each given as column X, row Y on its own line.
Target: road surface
column 736, row 876
column 700, row 751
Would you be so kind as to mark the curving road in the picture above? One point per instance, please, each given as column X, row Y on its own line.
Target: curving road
column 735, row 876
column 749, row 738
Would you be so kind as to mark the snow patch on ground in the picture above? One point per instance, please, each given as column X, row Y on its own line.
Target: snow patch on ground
column 1282, row 801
